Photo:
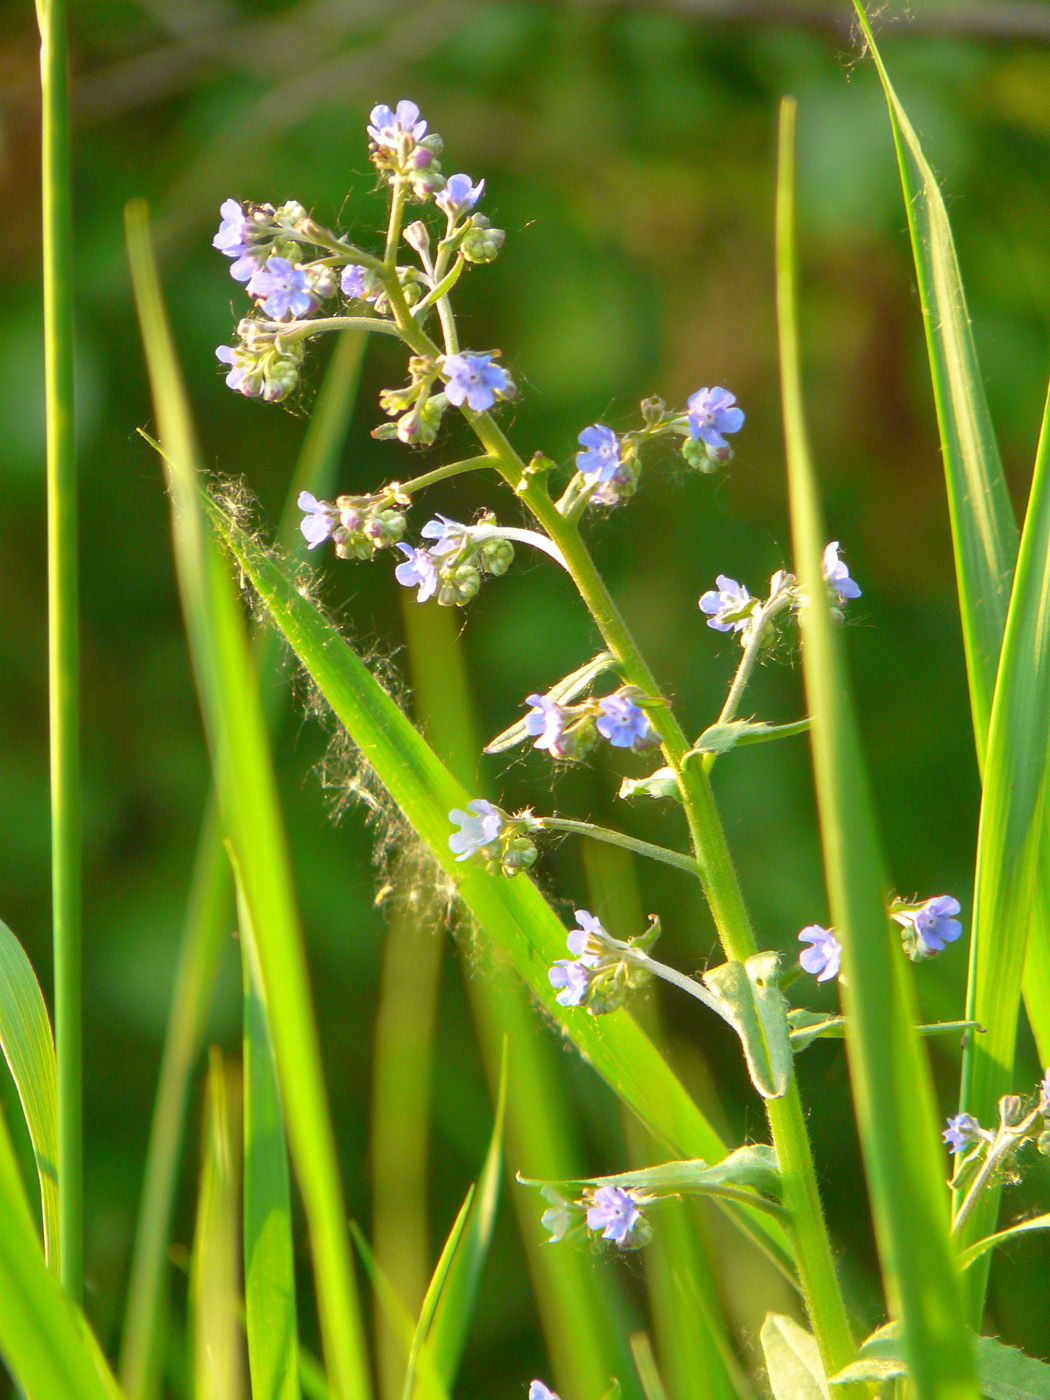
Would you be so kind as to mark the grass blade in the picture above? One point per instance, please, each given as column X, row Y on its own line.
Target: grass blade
column 247, row 794
column 513, row 912
column 207, row 920
column 269, row 1266
column 215, row 1323
column 25, row 1038
column 63, row 611
column 892, row 1088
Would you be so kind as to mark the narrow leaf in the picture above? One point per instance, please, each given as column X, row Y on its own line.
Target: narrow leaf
column 752, row 1167
column 25, row 1038
column 792, row 1360
column 755, row 1007
column 720, row 738
column 1023, row 1227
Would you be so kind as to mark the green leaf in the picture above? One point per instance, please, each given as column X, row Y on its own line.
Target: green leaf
column 755, row 1007
column 792, row 1360
column 246, row 787
column 1003, row 1373
column 1023, row 1227
column 269, row 1268
column 520, row 923
column 645, row 1365
column 566, row 690
column 25, row 1038
column 892, row 1088
column 662, row 783
column 720, row 738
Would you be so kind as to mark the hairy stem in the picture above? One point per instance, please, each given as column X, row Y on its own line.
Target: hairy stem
column 617, row 838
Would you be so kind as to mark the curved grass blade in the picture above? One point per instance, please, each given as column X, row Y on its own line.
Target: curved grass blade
column 892, row 1088
column 251, row 816
column 269, row 1267
column 25, row 1038
column 207, row 920
column 1025, row 1227
column 513, row 912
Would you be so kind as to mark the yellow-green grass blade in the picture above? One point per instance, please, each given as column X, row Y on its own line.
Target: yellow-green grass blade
column 892, row 1088
column 269, row 1266
column 1009, row 839
column 513, row 913
column 44, row 1341
column 247, row 793
column 215, row 1300
column 207, row 921
column 25, row 1038
column 984, row 530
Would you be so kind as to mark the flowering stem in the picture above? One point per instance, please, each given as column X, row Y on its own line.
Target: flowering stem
column 440, row 291
column 676, row 979
column 752, row 652
column 420, row 483
column 292, row 331
column 617, row 838
column 393, row 231
column 321, row 238
column 1004, row 1140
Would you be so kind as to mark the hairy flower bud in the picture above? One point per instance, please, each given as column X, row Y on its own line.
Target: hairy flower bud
column 459, row 585
column 481, row 243
column 496, row 556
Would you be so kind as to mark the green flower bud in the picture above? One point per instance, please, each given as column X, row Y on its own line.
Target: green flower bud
column 519, row 853
column 653, row 410
column 459, row 585
column 385, row 528
column 481, row 244
column 496, row 556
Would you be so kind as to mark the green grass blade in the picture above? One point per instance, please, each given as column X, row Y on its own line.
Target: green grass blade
column 251, row 818
column 1011, row 833
column 208, row 915
column 892, row 1088
column 215, row 1305
column 44, row 1341
column 25, row 1038
column 269, row 1267
column 63, row 605
column 513, row 912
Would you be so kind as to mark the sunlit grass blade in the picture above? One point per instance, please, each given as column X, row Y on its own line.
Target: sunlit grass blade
column 892, row 1088
column 513, row 913
column 269, row 1268
column 25, row 1038
column 215, row 1300
column 251, row 818
column 207, row 921
column 44, row 1341
column 63, row 611
column 1011, row 833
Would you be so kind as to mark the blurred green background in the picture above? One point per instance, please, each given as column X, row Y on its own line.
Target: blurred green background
column 628, row 151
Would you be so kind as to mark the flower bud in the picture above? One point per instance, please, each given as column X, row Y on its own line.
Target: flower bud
column 459, row 585
column 432, row 143
column 1011, row 1110
column 481, row 243
column 427, row 182
column 519, row 853
column 653, row 410
column 496, row 556
column 385, row 528
column 417, row 236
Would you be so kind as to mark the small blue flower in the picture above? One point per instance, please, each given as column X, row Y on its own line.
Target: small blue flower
column 318, row 519
column 823, row 958
column 961, row 1130
column 386, row 128
column 234, row 240
column 589, row 935
column 282, row 289
column 353, row 281
column 934, row 923
column 573, row 977
column 476, row 379
column 622, row 722
column 237, row 375
column 538, row 1391
column 459, row 195
column 729, row 608
column 614, row 1213
column 601, row 461
column 546, row 720
column 837, row 574
column 448, row 535
column 420, row 569
column 481, row 825
column 711, row 413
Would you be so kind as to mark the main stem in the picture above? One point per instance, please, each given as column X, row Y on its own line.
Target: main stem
column 812, row 1247
column 63, row 629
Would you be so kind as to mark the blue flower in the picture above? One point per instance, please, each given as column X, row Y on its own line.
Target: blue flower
column 353, row 281
column 282, row 289
column 837, row 574
column 318, row 519
column 711, row 413
column 622, row 722
column 961, row 1129
column 418, row 568
column 573, row 977
column 933, row 924
column 476, row 379
column 729, row 608
column 237, row 377
column 386, row 128
column 824, row 957
column 589, row 935
column 614, row 1213
column 448, row 535
column 234, row 240
column 601, row 461
column 538, row 1391
column 481, row 825
column 459, row 195
column 546, row 720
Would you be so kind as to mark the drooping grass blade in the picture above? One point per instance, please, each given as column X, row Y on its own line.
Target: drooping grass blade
column 215, row 1296
column 25, row 1038
column 246, row 788
column 208, row 914
column 892, row 1089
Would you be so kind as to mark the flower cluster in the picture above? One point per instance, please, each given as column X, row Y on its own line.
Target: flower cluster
column 501, row 843
column 401, row 151
column 712, row 414
column 250, row 235
column 454, row 564
column 602, row 970
column 570, row 731
column 358, row 526
column 474, row 380
column 729, row 607
column 603, row 1216
column 263, row 365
